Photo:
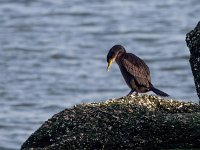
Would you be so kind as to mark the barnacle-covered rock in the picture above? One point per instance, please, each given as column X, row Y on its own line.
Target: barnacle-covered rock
column 193, row 43
column 132, row 122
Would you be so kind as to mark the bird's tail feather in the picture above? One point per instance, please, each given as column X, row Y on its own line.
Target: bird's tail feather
column 159, row 92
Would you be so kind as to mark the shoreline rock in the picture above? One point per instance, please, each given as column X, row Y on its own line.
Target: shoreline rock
column 131, row 122
column 193, row 43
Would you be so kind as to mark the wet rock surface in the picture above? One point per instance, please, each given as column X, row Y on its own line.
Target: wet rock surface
column 133, row 122
column 193, row 43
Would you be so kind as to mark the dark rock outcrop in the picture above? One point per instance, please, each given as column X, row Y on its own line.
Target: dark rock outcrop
column 133, row 122
column 193, row 42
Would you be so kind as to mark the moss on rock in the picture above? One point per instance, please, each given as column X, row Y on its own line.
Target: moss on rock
column 133, row 122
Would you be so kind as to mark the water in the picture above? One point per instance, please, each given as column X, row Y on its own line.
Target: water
column 53, row 55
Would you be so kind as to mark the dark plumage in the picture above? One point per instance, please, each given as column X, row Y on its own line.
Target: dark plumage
column 134, row 70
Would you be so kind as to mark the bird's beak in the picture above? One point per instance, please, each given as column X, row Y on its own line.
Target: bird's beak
column 109, row 64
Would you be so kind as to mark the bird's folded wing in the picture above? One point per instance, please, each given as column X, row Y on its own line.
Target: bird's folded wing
column 137, row 68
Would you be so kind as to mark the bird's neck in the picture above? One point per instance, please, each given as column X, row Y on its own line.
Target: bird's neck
column 119, row 57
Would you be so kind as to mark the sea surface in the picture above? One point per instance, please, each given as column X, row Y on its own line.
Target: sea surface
column 53, row 55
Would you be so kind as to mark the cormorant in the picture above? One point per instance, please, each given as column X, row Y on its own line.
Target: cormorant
column 134, row 70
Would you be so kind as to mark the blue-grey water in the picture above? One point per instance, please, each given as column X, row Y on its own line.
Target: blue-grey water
column 53, row 55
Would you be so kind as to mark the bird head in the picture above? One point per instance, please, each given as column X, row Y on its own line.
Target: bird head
column 113, row 53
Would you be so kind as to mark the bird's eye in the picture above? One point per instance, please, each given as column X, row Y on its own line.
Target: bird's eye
column 109, row 56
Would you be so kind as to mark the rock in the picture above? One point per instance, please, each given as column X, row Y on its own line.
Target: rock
column 193, row 42
column 133, row 122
